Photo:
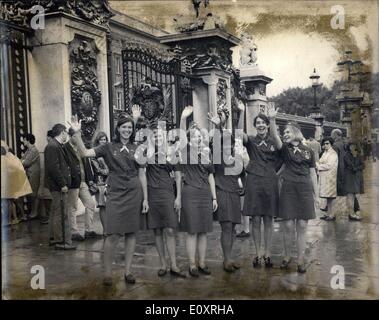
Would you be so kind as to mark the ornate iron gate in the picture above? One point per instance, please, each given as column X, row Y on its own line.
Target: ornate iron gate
column 15, row 109
column 157, row 81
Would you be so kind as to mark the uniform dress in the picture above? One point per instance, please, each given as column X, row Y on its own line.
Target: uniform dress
column 196, row 213
column 262, row 191
column 353, row 174
column 161, row 195
column 228, row 196
column 124, row 194
column 296, row 197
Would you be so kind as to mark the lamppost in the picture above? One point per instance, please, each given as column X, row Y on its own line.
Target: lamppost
column 316, row 110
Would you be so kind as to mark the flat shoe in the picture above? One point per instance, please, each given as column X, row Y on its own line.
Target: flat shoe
column 229, row 268
column 285, row 264
column 194, row 272
column 129, row 278
column 236, row 266
column 301, row 268
column 256, row 262
column 162, row 272
column 178, row 274
column 328, row 218
column 268, row 263
column 205, row 270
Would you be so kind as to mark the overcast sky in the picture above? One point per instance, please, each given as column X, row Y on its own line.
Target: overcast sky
column 293, row 37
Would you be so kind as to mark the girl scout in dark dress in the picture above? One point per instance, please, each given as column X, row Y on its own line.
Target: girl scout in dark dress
column 299, row 189
column 162, row 217
column 198, row 196
column 227, row 173
column 262, row 192
column 127, row 192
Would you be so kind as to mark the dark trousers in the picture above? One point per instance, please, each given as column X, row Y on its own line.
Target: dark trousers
column 356, row 204
column 59, row 210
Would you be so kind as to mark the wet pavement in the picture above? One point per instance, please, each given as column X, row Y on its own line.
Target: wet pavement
column 78, row 274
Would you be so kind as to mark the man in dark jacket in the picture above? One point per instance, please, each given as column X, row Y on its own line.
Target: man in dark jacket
column 58, row 181
column 82, row 176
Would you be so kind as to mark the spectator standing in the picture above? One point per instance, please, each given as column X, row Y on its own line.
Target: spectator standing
column 31, row 162
column 101, row 171
column 81, row 176
column 339, row 147
column 327, row 172
column 354, row 178
column 58, row 180
column 315, row 147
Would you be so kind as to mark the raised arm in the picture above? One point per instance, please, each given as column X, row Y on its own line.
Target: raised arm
column 187, row 111
column 77, row 138
column 241, row 120
column 136, row 112
column 272, row 112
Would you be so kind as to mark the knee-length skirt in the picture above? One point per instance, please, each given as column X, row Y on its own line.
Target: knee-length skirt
column 262, row 196
column 161, row 209
column 123, row 208
column 296, row 200
column 229, row 206
column 196, row 214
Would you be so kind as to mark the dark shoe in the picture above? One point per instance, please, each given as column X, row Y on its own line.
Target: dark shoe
column 328, row 218
column 77, row 237
column 108, row 282
column 65, row 247
column 256, row 262
column 194, row 272
column 301, row 268
column 129, row 278
column 53, row 243
column 178, row 274
column 243, row 234
column 236, row 265
column 162, row 272
column 44, row 221
column 205, row 270
column 285, row 264
column 323, row 217
column 91, row 234
column 268, row 263
column 229, row 268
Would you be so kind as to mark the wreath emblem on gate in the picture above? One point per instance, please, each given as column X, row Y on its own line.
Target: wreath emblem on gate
column 149, row 96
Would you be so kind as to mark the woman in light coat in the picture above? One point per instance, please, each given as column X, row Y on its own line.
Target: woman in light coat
column 327, row 170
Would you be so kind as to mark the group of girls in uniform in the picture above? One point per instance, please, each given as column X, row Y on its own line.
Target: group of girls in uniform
column 140, row 186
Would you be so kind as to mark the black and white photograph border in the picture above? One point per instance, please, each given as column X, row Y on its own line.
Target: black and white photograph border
column 103, row 103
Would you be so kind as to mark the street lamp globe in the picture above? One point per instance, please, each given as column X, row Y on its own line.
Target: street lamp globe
column 315, row 78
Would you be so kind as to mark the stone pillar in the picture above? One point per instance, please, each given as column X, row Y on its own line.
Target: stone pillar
column 51, row 75
column 255, row 81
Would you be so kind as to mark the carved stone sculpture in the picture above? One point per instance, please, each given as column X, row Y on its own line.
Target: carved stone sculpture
column 248, row 52
column 85, row 94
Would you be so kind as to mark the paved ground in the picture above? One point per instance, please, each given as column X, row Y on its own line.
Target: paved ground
column 78, row 274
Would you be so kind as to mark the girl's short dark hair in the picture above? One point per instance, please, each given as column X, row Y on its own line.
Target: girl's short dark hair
column 57, row 129
column 122, row 120
column 31, row 138
column 96, row 138
column 330, row 139
column 263, row 117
